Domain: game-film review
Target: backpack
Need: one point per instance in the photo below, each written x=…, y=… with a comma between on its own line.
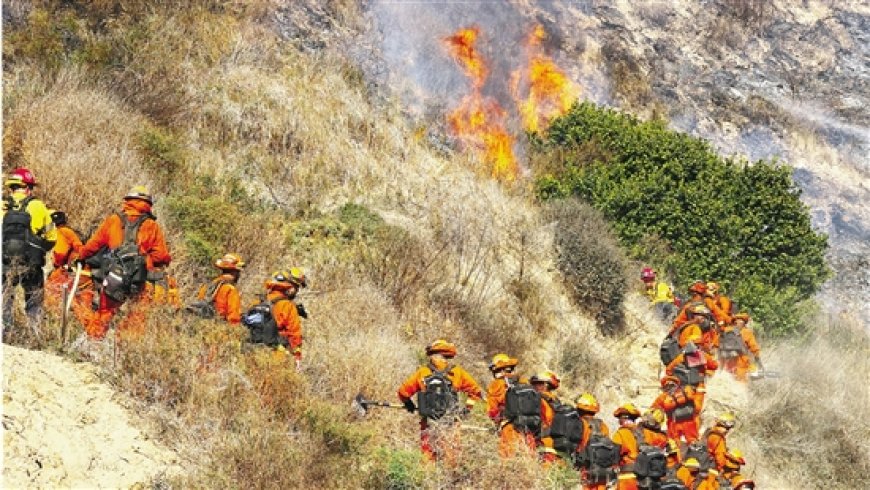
x=205, y=308
x=731, y=344
x=125, y=270
x=522, y=407
x=688, y=376
x=670, y=347
x=672, y=483
x=698, y=450
x=685, y=409
x=20, y=245
x=261, y=324
x=566, y=429
x=651, y=462
x=600, y=455
x=437, y=397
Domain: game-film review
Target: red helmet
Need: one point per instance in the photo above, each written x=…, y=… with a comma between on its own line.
x=21, y=176
x=647, y=274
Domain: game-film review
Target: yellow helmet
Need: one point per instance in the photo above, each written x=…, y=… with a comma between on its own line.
x=140, y=192
x=735, y=456
x=502, y=361
x=692, y=463
x=546, y=376
x=230, y=261
x=587, y=403
x=726, y=420
x=443, y=347
x=297, y=277
x=673, y=447
x=279, y=281
x=627, y=410
x=654, y=417
x=712, y=287
x=701, y=310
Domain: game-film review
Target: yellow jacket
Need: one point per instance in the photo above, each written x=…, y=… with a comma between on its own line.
x=40, y=219
x=660, y=292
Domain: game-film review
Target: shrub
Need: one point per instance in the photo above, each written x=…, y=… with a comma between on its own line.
x=589, y=257
x=724, y=219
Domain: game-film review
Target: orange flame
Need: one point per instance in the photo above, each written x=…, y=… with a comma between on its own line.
x=479, y=122
x=550, y=92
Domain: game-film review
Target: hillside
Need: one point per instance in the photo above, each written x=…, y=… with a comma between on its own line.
x=288, y=133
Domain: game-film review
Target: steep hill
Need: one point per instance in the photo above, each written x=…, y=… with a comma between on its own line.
x=284, y=133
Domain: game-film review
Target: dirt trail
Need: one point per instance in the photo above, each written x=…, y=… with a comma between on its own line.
x=63, y=428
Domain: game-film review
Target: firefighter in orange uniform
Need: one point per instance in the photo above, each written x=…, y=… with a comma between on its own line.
x=715, y=437
x=546, y=382
x=437, y=385
x=223, y=291
x=281, y=289
x=503, y=368
x=627, y=414
x=718, y=303
x=693, y=366
x=682, y=408
x=735, y=348
x=587, y=406
x=136, y=212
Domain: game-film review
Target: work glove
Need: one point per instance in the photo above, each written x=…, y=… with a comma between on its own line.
x=300, y=308
x=409, y=405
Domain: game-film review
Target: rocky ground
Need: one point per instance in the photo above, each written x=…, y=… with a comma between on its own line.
x=64, y=428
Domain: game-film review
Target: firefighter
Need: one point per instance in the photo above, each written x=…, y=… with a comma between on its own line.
x=503, y=369
x=437, y=385
x=28, y=235
x=736, y=343
x=682, y=408
x=627, y=414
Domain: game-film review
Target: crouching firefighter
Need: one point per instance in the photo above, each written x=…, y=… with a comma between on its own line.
x=514, y=406
x=437, y=386
x=126, y=251
x=275, y=321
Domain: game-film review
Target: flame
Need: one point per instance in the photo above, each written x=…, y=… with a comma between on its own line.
x=550, y=92
x=479, y=121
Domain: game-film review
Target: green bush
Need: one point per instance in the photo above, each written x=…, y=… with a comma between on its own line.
x=742, y=225
x=591, y=261
x=207, y=224
x=397, y=469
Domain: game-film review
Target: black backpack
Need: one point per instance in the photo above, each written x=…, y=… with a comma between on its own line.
x=261, y=324
x=20, y=245
x=522, y=407
x=566, y=429
x=670, y=347
x=731, y=344
x=698, y=450
x=671, y=482
x=124, y=270
x=651, y=462
x=688, y=376
x=205, y=308
x=437, y=397
x=600, y=455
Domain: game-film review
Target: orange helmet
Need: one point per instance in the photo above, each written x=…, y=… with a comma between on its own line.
x=279, y=281
x=21, y=177
x=140, y=192
x=442, y=347
x=744, y=483
x=587, y=403
x=627, y=410
x=502, y=361
x=698, y=287
x=230, y=262
x=670, y=379
x=742, y=316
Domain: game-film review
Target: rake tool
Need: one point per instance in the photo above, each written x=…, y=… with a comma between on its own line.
x=361, y=406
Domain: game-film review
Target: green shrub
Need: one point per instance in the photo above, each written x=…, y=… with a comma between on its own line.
x=722, y=219
x=207, y=224
x=397, y=469
x=593, y=265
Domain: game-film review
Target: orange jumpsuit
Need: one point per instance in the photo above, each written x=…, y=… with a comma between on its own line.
x=227, y=301
x=588, y=420
x=718, y=305
x=151, y=244
x=683, y=316
x=289, y=324
x=687, y=476
x=669, y=401
x=655, y=437
x=707, y=364
x=742, y=364
x=436, y=445
x=711, y=482
x=509, y=436
x=717, y=446
x=68, y=247
x=624, y=436
x=545, y=445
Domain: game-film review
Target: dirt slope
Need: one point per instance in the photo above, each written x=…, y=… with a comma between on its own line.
x=63, y=428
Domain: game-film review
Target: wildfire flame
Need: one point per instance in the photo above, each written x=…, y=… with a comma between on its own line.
x=541, y=91
x=479, y=121
x=550, y=92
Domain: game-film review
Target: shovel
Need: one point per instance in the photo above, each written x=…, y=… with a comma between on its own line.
x=361, y=406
